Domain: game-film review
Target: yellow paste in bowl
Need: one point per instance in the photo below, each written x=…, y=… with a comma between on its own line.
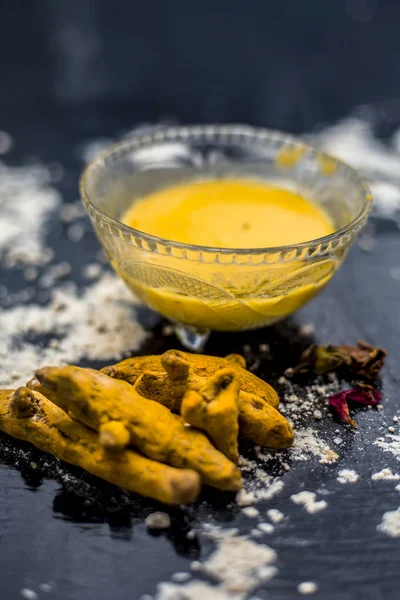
x=227, y=213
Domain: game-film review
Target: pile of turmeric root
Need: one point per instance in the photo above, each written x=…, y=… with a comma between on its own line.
x=159, y=426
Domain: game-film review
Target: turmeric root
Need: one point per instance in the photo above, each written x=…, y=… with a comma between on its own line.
x=35, y=385
x=27, y=415
x=96, y=399
x=198, y=364
x=263, y=424
x=215, y=410
x=167, y=378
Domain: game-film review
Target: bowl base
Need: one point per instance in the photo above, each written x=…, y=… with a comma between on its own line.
x=192, y=338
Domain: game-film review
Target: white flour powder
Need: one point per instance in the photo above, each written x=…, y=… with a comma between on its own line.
x=237, y=566
x=309, y=501
x=275, y=515
x=347, y=476
x=26, y=201
x=390, y=443
x=98, y=324
x=308, y=443
x=386, y=474
x=307, y=588
x=390, y=523
x=353, y=140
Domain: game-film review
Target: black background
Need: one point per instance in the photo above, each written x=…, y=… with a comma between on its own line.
x=71, y=71
x=277, y=63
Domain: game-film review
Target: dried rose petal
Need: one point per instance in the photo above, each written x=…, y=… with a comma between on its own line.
x=362, y=394
x=339, y=403
x=364, y=361
x=365, y=394
x=321, y=359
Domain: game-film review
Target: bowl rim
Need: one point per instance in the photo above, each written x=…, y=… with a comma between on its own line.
x=179, y=133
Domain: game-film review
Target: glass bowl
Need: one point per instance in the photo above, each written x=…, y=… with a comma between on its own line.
x=203, y=288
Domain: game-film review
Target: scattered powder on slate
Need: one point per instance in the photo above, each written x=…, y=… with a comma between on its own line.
x=309, y=402
x=195, y=566
x=353, y=140
x=158, y=520
x=75, y=232
x=390, y=523
x=386, y=474
x=261, y=485
x=21, y=226
x=53, y=273
x=29, y=594
x=269, y=492
x=309, y=501
x=391, y=443
x=266, y=527
x=308, y=443
x=246, y=464
x=6, y=142
x=73, y=319
x=240, y=564
x=195, y=590
x=71, y=211
x=237, y=566
x=92, y=271
x=251, y=512
x=307, y=329
x=180, y=577
x=307, y=588
x=93, y=147
x=256, y=533
x=275, y=515
x=76, y=322
x=347, y=476
x=244, y=498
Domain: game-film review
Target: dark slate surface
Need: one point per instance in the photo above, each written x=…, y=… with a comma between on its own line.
x=73, y=71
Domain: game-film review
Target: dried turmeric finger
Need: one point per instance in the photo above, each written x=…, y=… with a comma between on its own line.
x=35, y=385
x=259, y=421
x=114, y=435
x=215, y=410
x=262, y=423
x=199, y=365
x=27, y=415
x=131, y=369
x=95, y=399
x=237, y=359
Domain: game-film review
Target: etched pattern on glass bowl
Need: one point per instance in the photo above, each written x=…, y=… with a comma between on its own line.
x=203, y=288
